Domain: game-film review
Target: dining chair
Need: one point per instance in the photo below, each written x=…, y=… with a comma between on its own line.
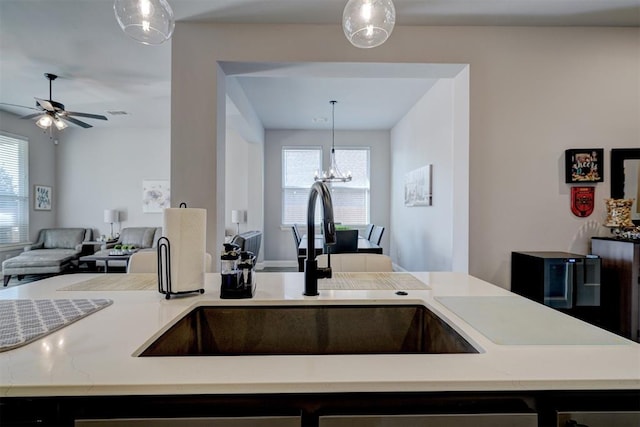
x=367, y=231
x=346, y=242
x=296, y=235
x=376, y=235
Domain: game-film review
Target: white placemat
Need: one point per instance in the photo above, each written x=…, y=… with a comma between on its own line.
x=372, y=281
x=117, y=282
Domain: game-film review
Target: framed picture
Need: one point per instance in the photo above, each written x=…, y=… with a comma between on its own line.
x=155, y=196
x=42, y=198
x=417, y=187
x=584, y=165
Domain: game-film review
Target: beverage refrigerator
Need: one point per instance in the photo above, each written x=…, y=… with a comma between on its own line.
x=564, y=281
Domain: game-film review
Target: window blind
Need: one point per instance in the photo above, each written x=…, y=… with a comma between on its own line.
x=14, y=189
x=351, y=199
x=298, y=167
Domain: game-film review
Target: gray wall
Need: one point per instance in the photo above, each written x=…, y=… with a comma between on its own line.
x=103, y=168
x=278, y=240
x=534, y=92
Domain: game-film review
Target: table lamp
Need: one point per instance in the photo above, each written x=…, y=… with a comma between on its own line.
x=237, y=217
x=111, y=216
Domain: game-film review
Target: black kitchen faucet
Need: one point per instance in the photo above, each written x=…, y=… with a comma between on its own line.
x=311, y=271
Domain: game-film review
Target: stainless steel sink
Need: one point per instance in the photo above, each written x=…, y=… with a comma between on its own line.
x=308, y=330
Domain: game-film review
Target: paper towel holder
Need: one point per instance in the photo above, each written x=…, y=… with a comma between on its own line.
x=164, y=270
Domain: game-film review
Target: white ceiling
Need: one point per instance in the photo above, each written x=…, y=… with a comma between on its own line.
x=102, y=70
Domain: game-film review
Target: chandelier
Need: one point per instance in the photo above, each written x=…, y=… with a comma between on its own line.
x=368, y=23
x=147, y=21
x=333, y=174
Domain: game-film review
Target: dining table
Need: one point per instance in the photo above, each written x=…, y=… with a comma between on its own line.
x=364, y=246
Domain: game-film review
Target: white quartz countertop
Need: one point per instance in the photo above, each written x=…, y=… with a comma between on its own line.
x=95, y=355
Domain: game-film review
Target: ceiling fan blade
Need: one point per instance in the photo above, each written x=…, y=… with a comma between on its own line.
x=20, y=106
x=87, y=115
x=76, y=121
x=31, y=116
x=45, y=104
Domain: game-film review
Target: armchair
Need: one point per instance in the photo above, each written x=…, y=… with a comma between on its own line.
x=249, y=241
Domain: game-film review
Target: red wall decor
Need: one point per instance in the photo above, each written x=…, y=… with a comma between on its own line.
x=582, y=200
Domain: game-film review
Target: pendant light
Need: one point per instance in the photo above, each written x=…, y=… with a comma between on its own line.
x=333, y=174
x=368, y=23
x=147, y=21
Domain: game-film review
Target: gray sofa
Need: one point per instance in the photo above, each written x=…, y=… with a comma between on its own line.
x=56, y=250
x=141, y=237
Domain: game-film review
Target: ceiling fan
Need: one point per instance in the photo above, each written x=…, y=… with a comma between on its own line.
x=51, y=112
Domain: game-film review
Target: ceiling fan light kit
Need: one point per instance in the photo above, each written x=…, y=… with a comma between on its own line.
x=368, y=23
x=147, y=21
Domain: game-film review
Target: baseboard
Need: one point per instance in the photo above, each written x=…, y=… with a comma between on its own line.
x=396, y=267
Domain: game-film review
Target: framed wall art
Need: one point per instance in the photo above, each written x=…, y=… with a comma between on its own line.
x=584, y=165
x=155, y=196
x=42, y=198
x=417, y=187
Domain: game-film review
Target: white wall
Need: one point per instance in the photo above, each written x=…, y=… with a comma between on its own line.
x=534, y=93
x=103, y=168
x=422, y=238
x=42, y=170
x=237, y=179
x=243, y=167
x=278, y=240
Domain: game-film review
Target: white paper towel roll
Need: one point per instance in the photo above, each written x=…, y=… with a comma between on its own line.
x=186, y=229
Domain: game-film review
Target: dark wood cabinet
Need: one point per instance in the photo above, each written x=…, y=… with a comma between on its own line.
x=620, y=284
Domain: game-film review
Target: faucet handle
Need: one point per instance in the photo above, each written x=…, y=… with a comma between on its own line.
x=329, y=232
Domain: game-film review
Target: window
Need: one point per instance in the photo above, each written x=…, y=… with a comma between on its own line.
x=14, y=189
x=298, y=167
x=350, y=199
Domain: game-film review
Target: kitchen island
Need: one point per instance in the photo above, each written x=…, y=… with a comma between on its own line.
x=530, y=359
